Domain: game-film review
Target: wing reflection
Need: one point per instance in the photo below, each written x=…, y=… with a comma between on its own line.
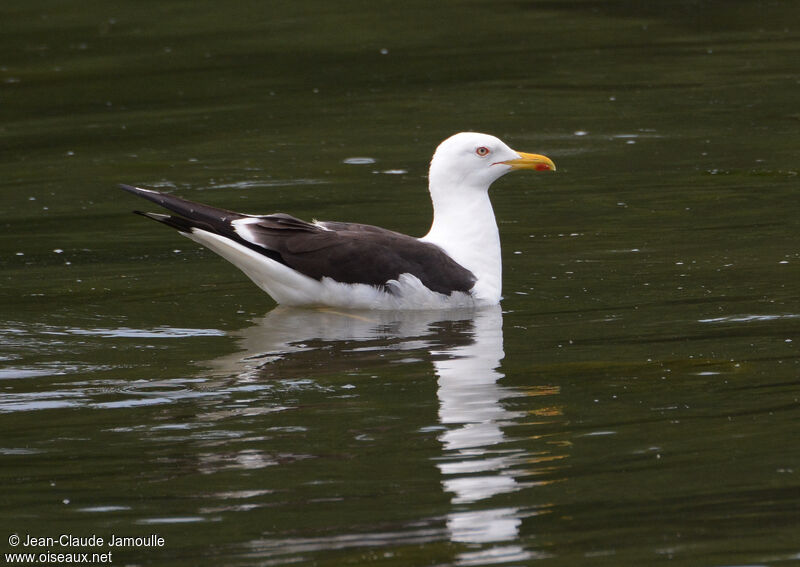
x=477, y=463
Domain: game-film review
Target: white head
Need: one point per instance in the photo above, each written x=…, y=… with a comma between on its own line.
x=475, y=161
x=462, y=169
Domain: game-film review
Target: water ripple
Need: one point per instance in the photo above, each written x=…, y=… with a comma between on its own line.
x=749, y=318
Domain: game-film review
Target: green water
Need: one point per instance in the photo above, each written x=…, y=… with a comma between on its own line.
x=634, y=401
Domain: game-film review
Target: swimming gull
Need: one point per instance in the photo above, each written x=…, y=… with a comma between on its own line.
x=350, y=265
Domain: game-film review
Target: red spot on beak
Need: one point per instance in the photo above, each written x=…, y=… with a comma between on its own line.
x=542, y=167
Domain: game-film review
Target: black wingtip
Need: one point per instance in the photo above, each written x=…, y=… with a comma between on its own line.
x=161, y=199
x=148, y=194
x=129, y=188
x=195, y=215
x=179, y=223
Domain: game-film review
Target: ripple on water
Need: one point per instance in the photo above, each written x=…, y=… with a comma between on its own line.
x=37, y=353
x=278, y=547
x=750, y=318
x=155, y=333
x=176, y=520
x=359, y=161
x=103, y=509
x=256, y=183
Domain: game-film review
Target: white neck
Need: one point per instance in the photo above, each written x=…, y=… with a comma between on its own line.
x=464, y=226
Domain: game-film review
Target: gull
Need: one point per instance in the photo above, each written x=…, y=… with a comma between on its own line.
x=358, y=266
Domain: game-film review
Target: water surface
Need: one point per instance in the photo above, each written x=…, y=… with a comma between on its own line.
x=633, y=401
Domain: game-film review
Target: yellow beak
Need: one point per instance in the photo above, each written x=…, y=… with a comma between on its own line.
x=531, y=161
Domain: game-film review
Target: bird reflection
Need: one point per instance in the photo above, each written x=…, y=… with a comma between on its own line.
x=465, y=348
x=286, y=331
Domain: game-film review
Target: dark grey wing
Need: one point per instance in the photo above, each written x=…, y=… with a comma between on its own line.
x=359, y=253
x=344, y=252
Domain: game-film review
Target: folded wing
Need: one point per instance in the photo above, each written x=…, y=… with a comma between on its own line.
x=345, y=252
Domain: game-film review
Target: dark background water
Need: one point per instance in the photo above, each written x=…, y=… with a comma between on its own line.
x=635, y=401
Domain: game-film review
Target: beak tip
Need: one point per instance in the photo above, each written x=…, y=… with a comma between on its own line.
x=533, y=162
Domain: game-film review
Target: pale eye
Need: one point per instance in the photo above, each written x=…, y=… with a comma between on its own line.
x=483, y=151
